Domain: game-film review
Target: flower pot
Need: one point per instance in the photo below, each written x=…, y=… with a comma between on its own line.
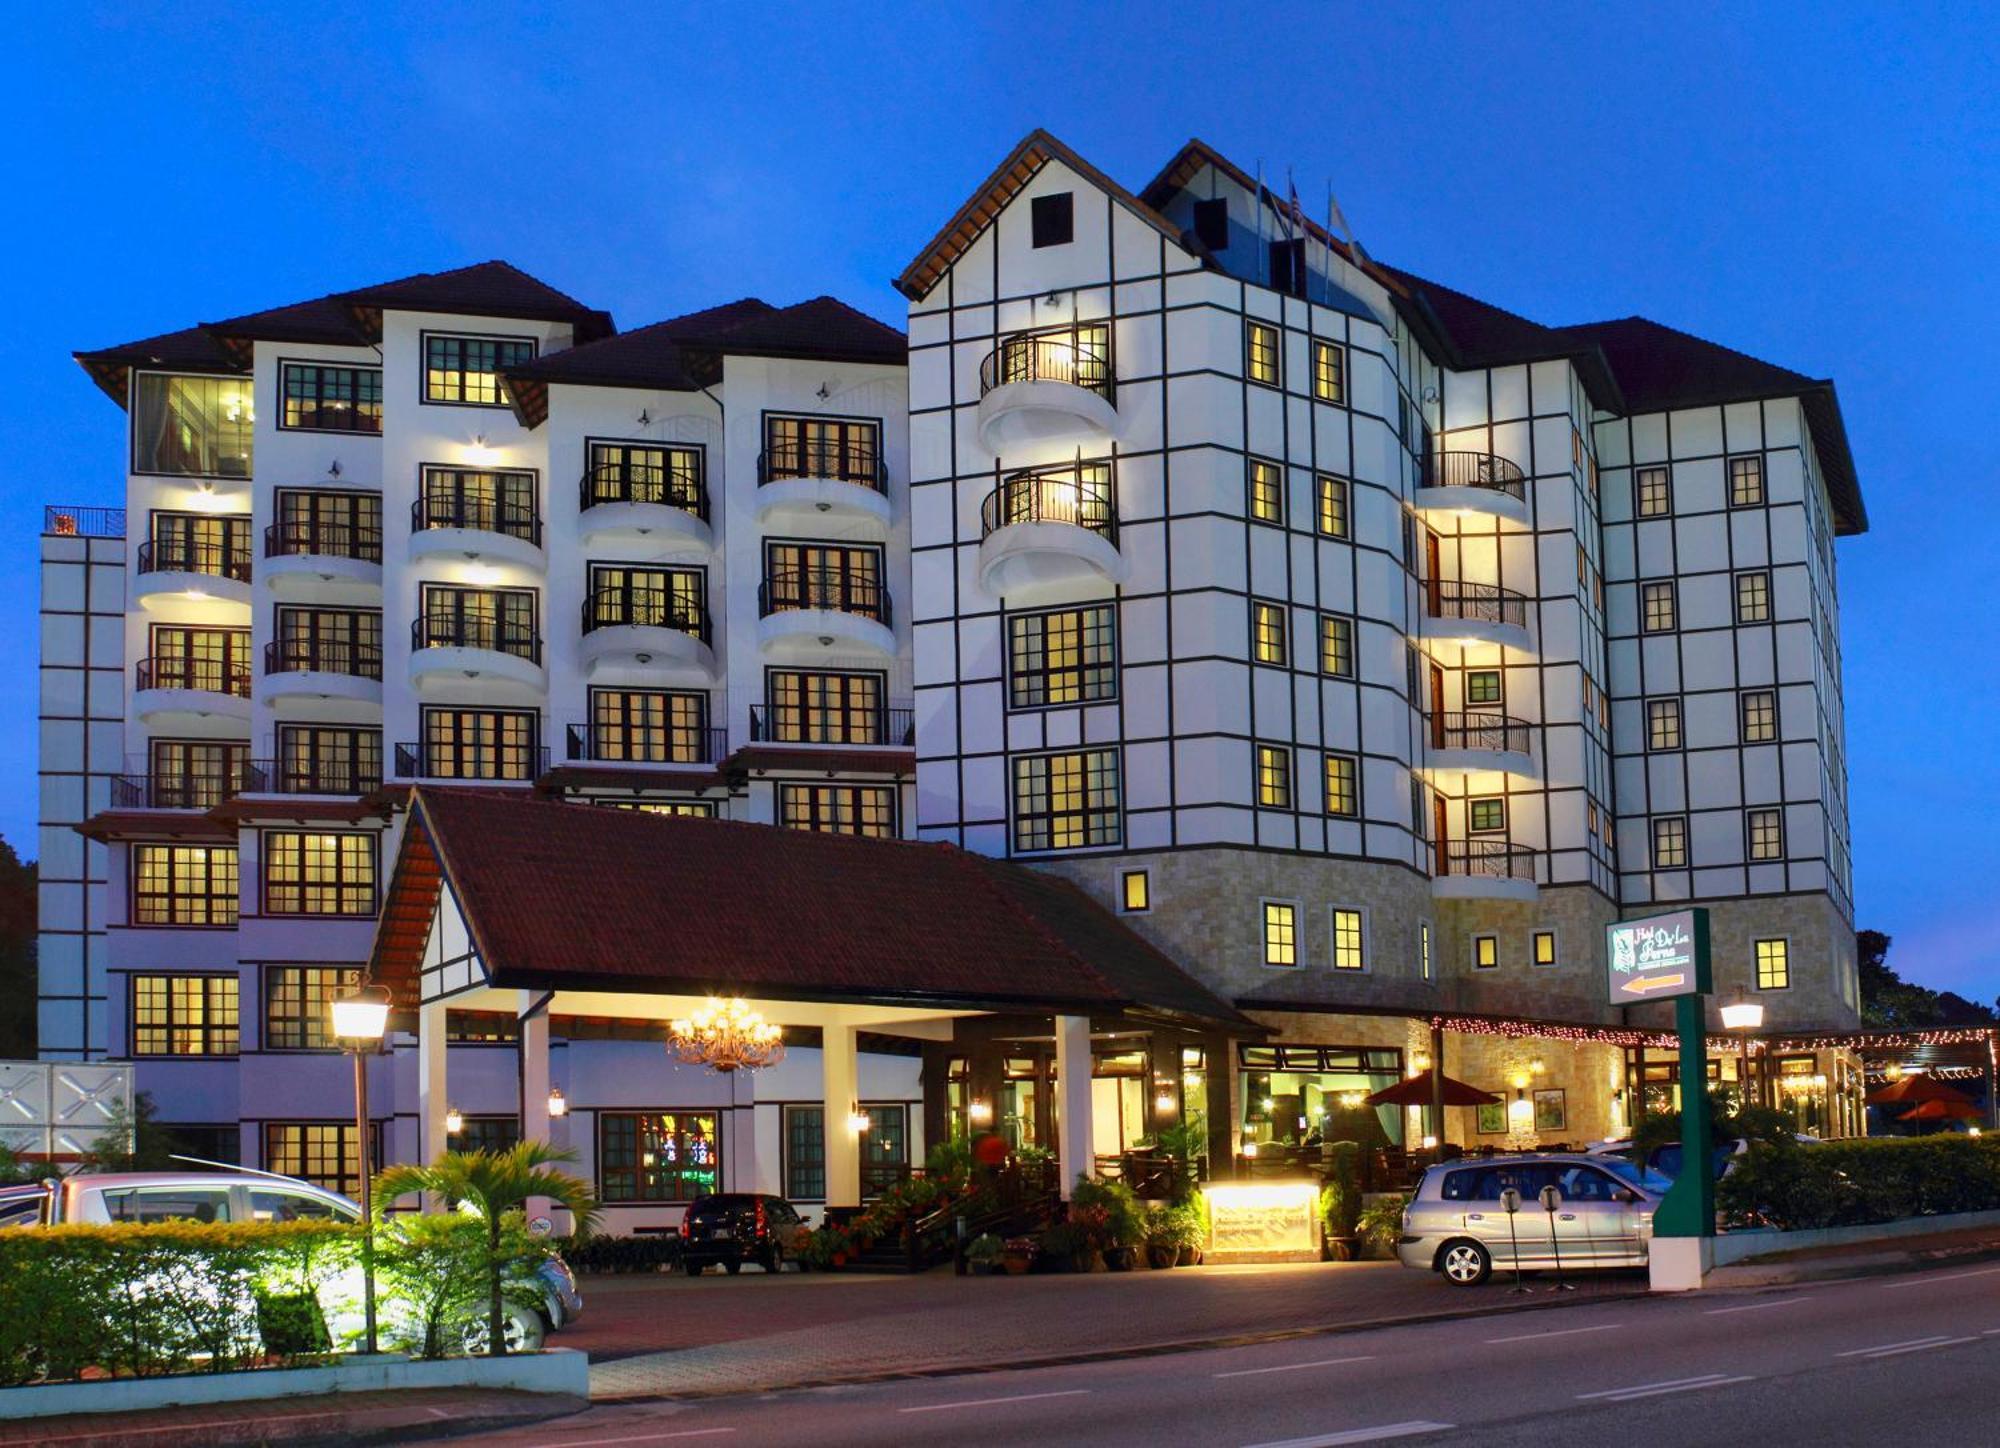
x=1340, y=1249
x=1190, y=1257
x=1121, y=1259
x=1015, y=1263
x=1162, y=1257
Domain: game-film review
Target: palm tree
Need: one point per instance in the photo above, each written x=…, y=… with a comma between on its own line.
x=494, y=1183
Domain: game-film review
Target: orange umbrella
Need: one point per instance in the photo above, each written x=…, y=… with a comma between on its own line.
x=1912, y=1089
x=1939, y=1109
x=1416, y=1091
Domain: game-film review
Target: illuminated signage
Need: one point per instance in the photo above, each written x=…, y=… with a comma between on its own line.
x=1658, y=958
x=1263, y=1221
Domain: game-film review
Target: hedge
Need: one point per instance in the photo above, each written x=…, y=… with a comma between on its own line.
x=1797, y=1187
x=134, y=1299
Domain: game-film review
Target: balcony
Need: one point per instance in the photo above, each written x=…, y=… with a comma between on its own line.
x=893, y=727
x=206, y=696
x=460, y=526
x=1473, y=741
x=645, y=629
x=1474, y=484
x=324, y=671
x=1475, y=613
x=173, y=570
x=497, y=658
x=1051, y=527
x=472, y=764
x=798, y=480
x=642, y=748
x=631, y=501
x=802, y=610
x=1483, y=870
x=1048, y=387
x=323, y=561
x=334, y=777
x=183, y=788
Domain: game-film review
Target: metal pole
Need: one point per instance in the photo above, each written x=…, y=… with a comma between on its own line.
x=1743, y=1072
x=367, y=1197
x=1437, y=1089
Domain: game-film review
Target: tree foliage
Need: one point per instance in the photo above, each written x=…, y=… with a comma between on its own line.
x=18, y=990
x=1888, y=1002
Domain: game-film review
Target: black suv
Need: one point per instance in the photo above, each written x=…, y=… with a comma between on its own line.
x=732, y=1228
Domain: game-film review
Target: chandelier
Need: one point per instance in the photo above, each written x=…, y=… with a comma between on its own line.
x=725, y=1035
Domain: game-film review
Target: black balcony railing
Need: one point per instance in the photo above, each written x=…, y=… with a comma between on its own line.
x=195, y=555
x=1080, y=356
x=323, y=656
x=644, y=483
x=632, y=744
x=325, y=776
x=622, y=607
x=1488, y=859
x=480, y=515
x=459, y=631
x=1053, y=496
x=1476, y=470
x=179, y=671
x=321, y=539
x=1475, y=603
x=892, y=727
x=835, y=589
x=1474, y=730
x=182, y=788
x=471, y=762
x=62, y=520
x=784, y=459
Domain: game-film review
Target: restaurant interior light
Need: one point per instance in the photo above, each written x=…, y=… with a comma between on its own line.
x=362, y=1016
x=979, y=1112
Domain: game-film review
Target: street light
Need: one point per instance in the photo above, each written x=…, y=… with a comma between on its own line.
x=359, y=1021
x=1743, y=1015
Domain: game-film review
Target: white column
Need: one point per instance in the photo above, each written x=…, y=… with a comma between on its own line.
x=1073, y=1123
x=533, y=1049
x=839, y=1087
x=432, y=1092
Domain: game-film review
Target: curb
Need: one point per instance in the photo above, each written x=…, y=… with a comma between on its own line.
x=329, y=1425
x=1776, y=1272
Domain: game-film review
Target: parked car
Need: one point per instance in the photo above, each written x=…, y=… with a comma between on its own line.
x=731, y=1228
x=1456, y=1224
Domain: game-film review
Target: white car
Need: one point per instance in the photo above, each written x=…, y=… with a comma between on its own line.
x=1457, y=1223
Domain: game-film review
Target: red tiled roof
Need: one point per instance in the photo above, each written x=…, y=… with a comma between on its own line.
x=564, y=896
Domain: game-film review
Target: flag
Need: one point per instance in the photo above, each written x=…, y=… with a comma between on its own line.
x=1297, y=222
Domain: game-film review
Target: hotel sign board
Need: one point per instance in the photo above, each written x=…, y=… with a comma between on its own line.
x=1658, y=957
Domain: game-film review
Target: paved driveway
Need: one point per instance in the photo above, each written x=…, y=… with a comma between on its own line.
x=656, y=1335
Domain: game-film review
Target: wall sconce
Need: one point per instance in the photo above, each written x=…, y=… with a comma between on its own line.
x=454, y=1121
x=1520, y=1109
x=1518, y=1080
x=557, y=1105
x=1164, y=1102
x=333, y=470
x=979, y=1113
x=477, y=451
x=859, y=1121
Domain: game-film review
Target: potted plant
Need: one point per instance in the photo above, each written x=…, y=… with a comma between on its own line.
x=1340, y=1199
x=983, y=1253
x=1111, y=1215
x=1017, y=1255
x=1380, y=1225
x=1065, y=1247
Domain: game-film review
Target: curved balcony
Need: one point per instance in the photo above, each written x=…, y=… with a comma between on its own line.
x=452, y=525
x=629, y=748
x=1049, y=527
x=1475, y=613
x=304, y=775
x=323, y=562
x=631, y=501
x=809, y=609
x=324, y=671
x=800, y=480
x=451, y=649
x=1474, y=483
x=187, y=787
x=1483, y=870
x=472, y=764
x=204, y=696
x=1045, y=387
x=647, y=629
x=172, y=570
x=1473, y=742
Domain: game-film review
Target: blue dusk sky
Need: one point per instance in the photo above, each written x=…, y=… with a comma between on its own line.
x=1817, y=185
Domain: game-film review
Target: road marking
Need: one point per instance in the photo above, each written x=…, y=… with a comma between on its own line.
x=1897, y=1349
x=641, y=1438
x=1671, y=1385
x=1948, y=1277
x=1889, y=1346
x=1752, y=1306
x=990, y=1402
x=1294, y=1367
x=1359, y=1435
x=1564, y=1332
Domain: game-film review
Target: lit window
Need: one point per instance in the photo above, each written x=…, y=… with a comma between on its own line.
x=1545, y=947
x=320, y=1152
x=466, y=370
x=1348, y=940
x=184, y=1015
x=1336, y=645
x=1068, y=656
x=320, y=398
x=1486, y=816
x=1424, y=949
x=1267, y=633
x=184, y=885
x=1760, y=716
x=838, y=809
x=1670, y=842
x=1066, y=801
x=1659, y=607
x=1663, y=723
x=1267, y=491
x=1746, y=482
x=1260, y=346
x=1766, y=832
x=1343, y=792
x=1653, y=498
x=1753, y=597
x=192, y=426
x=1332, y=494
x=654, y=726
x=298, y=1005
x=480, y=743
x=1774, y=970
x=1281, y=933
x=1482, y=687
x=657, y=1156
x=1136, y=891
x=1329, y=372
x=1485, y=952
x=1274, y=776
x=314, y=873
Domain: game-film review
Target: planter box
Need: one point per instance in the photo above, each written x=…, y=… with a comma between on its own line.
x=558, y=1370
x=1743, y=1246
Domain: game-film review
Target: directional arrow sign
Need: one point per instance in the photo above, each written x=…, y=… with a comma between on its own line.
x=1659, y=957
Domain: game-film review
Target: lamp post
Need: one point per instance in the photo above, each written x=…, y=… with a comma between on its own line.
x=1743, y=1016
x=359, y=1021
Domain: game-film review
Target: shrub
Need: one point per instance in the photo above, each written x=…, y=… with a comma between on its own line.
x=1109, y=1211
x=1796, y=1187
x=1179, y=1227
x=624, y=1254
x=1340, y=1197
x=1380, y=1224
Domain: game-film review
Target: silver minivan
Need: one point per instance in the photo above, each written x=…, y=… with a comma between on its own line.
x=1457, y=1222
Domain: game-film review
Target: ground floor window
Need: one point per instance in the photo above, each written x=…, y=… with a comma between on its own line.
x=222, y=1143
x=658, y=1156
x=320, y=1152
x=487, y=1133
x=885, y=1148
x=1302, y=1096
x=805, y=1153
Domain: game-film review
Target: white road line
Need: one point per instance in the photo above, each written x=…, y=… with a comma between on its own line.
x=1752, y=1306
x=1359, y=1435
x=1563, y=1332
x=1894, y=1346
x=990, y=1402
x=1948, y=1277
x=1655, y=1390
x=1898, y=1350
x=1294, y=1367
x=637, y=1438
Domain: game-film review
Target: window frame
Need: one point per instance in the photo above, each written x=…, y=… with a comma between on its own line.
x=1273, y=775
x=1253, y=329
x=1763, y=604
x=1331, y=625
x=1251, y=463
x=1328, y=758
x=345, y=1151
x=209, y=1032
x=359, y=369
x=1475, y=803
x=1334, y=946
x=1044, y=213
x=132, y=413
x=1654, y=828
x=1288, y=939
x=1673, y=609
x=502, y=400
x=308, y=1032
x=1640, y=484
x=605, y=1116
x=1535, y=939
x=1784, y=957
x=1145, y=880
x=1743, y=698
x=1323, y=349
x=1084, y=668
x=1485, y=938
x=135, y=896
x=1776, y=815
x=1327, y=488
x=342, y=887
x=1667, y=705
x=850, y=797
x=1497, y=702
x=1756, y=471
x=1263, y=610
x=1092, y=817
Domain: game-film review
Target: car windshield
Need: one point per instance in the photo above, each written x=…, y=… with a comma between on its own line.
x=1637, y=1175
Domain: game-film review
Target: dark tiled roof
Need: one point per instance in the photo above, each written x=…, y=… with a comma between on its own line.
x=329, y=320
x=823, y=329
x=569, y=896
x=487, y=288
x=189, y=350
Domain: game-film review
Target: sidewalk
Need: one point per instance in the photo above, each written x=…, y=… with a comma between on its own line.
x=1860, y=1259
x=386, y=1417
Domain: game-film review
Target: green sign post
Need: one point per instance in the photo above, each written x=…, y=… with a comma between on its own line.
x=1665, y=957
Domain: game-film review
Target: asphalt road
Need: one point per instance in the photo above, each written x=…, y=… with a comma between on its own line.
x=1910, y=1358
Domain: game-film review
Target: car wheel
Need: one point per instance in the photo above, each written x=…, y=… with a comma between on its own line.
x=1465, y=1264
x=520, y=1328
x=693, y=1269
x=774, y=1260
x=733, y=1267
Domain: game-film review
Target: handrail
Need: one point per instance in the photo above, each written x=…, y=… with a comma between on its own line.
x=1475, y=602
x=193, y=555
x=622, y=606
x=1477, y=470
x=840, y=590
x=643, y=483
x=1489, y=859
x=315, y=537
x=420, y=759
x=65, y=520
x=479, y=515
x=323, y=656
x=782, y=461
x=586, y=743
x=178, y=789
x=453, y=631
x=1472, y=729
x=278, y=776
x=1052, y=495
x=1071, y=354
x=179, y=671
x=885, y=728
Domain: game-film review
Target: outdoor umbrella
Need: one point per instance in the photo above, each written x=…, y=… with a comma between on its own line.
x=1939, y=1109
x=1416, y=1091
x=1913, y=1089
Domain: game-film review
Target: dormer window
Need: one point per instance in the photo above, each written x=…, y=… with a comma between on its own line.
x=1053, y=219
x=464, y=371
